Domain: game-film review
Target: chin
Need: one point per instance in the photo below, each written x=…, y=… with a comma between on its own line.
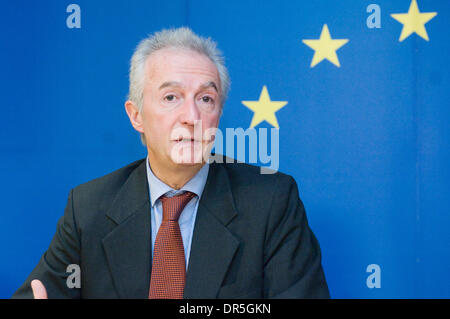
x=189, y=154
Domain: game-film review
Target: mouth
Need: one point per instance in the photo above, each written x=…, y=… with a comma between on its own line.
x=186, y=140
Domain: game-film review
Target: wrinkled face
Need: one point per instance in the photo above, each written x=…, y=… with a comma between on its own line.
x=181, y=106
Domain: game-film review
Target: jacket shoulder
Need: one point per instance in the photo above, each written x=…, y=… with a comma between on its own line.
x=100, y=191
x=248, y=174
x=118, y=176
x=250, y=183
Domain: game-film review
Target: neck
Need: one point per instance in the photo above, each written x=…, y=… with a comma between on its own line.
x=176, y=175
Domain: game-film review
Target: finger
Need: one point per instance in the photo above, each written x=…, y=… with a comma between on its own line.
x=38, y=288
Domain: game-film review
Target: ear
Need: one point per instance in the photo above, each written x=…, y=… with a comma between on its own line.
x=134, y=115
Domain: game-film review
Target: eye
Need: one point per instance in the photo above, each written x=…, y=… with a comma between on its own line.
x=207, y=99
x=170, y=98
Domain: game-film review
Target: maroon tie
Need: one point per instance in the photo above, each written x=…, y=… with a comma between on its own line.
x=169, y=267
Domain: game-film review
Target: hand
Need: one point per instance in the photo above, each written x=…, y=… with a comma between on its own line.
x=38, y=288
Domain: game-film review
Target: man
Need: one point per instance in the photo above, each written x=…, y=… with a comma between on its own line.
x=173, y=225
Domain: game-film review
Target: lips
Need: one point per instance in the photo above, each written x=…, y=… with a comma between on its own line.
x=186, y=139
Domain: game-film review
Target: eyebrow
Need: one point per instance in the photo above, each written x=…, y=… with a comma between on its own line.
x=210, y=84
x=170, y=83
x=178, y=84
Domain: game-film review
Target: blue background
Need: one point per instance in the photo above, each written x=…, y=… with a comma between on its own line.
x=368, y=143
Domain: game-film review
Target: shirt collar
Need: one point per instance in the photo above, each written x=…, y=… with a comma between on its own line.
x=158, y=188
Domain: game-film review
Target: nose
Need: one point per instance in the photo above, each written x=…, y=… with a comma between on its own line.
x=189, y=112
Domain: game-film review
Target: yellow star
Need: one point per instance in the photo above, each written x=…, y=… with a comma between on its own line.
x=264, y=109
x=413, y=21
x=325, y=47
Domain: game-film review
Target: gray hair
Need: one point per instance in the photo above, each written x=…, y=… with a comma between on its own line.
x=182, y=38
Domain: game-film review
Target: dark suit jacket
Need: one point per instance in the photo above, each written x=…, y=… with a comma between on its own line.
x=251, y=239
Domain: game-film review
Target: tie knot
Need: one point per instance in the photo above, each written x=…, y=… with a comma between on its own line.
x=173, y=206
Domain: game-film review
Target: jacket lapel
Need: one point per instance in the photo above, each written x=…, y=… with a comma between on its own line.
x=213, y=246
x=128, y=245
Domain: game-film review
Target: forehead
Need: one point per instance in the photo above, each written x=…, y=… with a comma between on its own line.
x=173, y=64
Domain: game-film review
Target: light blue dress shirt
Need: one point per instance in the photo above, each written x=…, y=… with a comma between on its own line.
x=157, y=188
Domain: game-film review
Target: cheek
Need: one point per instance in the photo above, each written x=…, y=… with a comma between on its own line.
x=209, y=125
x=211, y=120
x=154, y=124
x=158, y=127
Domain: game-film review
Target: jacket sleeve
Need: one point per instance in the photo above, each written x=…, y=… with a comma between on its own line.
x=63, y=251
x=292, y=258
